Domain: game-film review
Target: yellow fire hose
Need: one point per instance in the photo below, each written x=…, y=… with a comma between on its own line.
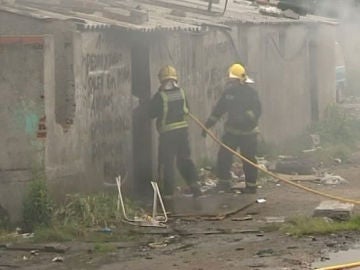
x=199, y=123
x=340, y=266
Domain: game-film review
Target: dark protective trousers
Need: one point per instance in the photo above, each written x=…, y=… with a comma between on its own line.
x=247, y=145
x=174, y=146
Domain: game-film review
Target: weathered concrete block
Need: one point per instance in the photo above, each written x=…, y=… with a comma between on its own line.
x=334, y=210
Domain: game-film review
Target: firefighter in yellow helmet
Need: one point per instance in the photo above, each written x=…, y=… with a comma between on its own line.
x=241, y=105
x=169, y=107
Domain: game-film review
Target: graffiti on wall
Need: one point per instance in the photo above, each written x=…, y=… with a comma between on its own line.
x=107, y=80
x=105, y=70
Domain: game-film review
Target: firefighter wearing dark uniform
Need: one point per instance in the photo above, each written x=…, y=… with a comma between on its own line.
x=169, y=107
x=242, y=105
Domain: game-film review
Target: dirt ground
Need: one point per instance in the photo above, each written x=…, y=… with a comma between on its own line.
x=236, y=242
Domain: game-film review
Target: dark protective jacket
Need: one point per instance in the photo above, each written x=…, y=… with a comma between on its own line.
x=170, y=108
x=243, y=108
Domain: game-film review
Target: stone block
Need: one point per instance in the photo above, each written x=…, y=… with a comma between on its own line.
x=334, y=209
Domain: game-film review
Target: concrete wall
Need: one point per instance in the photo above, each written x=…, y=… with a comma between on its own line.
x=350, y=43
x=201, y=61
x=86, y=107
x=22, y=116
x=88, y=82
x=13, y=24
x=278, y=58
x=292, y=64
x=97, y=146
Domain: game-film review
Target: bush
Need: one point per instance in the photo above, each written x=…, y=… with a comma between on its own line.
x=337, y=127
x=37, y=205
x=88, y=210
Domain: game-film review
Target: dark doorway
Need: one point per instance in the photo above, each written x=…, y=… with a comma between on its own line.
x=142, y=139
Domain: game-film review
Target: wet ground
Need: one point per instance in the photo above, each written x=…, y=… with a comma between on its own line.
x=239, y=237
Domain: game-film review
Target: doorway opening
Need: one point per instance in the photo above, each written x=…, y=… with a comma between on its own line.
x=142, y=132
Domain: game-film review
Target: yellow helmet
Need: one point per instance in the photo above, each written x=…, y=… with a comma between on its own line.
x=167, y=73
x=237, y=71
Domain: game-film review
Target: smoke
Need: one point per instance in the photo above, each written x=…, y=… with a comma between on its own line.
x=347, y=12
x=343, y=10
x=348, y=38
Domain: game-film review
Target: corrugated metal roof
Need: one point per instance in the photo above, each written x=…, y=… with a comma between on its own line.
x=147, y=15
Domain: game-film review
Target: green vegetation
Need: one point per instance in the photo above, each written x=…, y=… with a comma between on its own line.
x=339, y=135
x=81, y=217
x=88, y=210
x=301, y=226
x=104, y=247
x=57, y=233
x=37, y=205
x=337, y=127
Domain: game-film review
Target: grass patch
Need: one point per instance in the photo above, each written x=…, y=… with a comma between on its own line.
x=301, y=226
x=37, y=204
x=104, y=248
x=57, y=234
x=7, y=236
x=96, y=210
x=69, y=233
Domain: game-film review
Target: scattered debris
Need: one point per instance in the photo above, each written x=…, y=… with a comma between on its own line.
x=269, y=10
x=330, y=179
x=334, y=210
x=27, y=235
x=290, y=14
x=157, y=245
x=261, y=201
x=294, y=165
x=248, y=217
x=58, y=259
x=275, y=219
x=163, y=243
x=34, y=252
x=310, y=178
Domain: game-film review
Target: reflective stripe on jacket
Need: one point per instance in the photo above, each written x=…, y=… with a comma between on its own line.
x=174, y=110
